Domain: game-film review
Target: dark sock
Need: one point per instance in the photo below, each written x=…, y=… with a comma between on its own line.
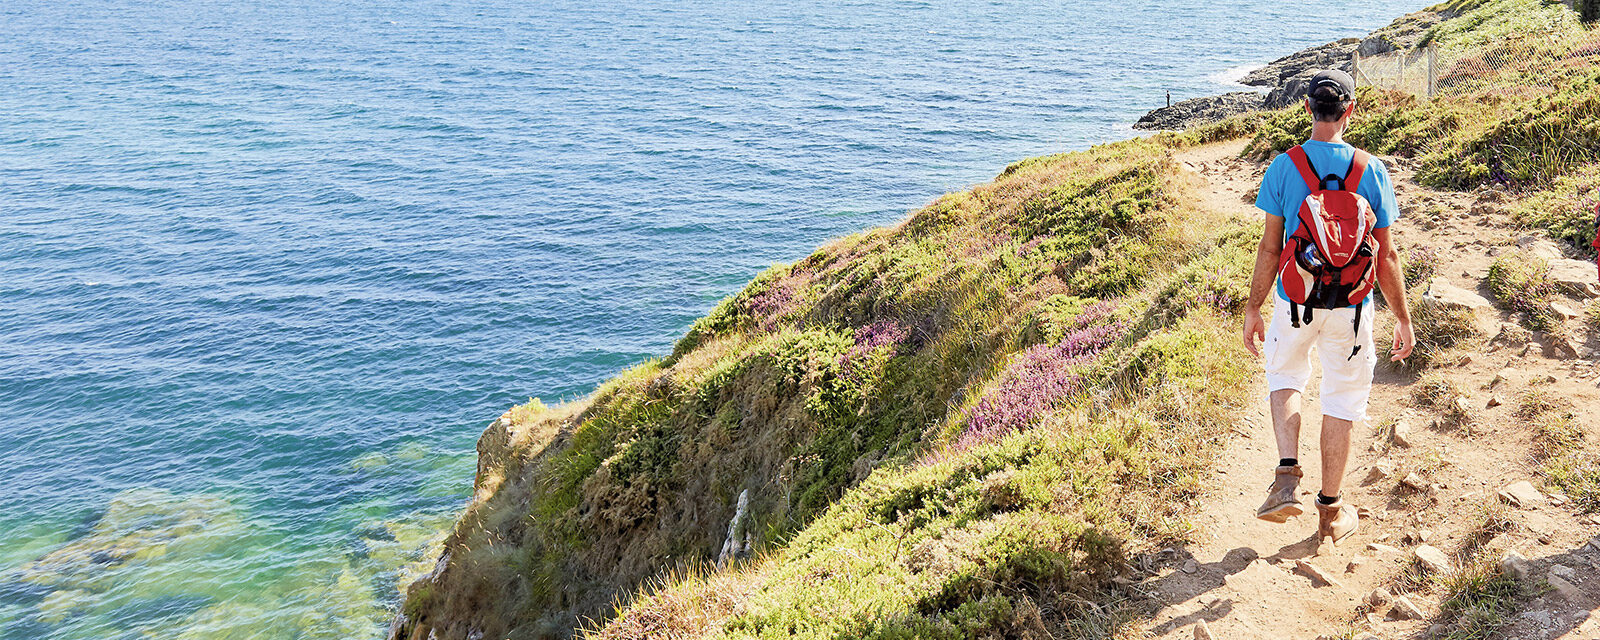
x=1322, y=499
x=1288, y=462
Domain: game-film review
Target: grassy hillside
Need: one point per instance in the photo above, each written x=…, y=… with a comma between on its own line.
x=965, y=425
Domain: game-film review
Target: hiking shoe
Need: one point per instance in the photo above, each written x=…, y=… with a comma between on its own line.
x=1281, y=502
x=1336, y=521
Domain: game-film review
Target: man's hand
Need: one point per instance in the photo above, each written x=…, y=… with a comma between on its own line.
x=1254, y=329
x=1404, y=341
x=1262, y=279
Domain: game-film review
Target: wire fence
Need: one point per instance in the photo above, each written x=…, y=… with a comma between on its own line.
x=1512, y=62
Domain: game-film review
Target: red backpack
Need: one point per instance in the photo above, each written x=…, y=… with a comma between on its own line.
x=1328, y=262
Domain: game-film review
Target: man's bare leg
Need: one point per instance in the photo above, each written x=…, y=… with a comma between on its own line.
x=1282, y=502
x=1286, y=422
x=1338, y=519
x=1335, y=454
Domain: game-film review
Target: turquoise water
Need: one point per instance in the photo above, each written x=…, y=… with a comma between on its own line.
x=268, y=268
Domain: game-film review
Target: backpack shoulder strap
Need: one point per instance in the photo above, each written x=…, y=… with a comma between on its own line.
x=1303, y=163
x=1358, y=170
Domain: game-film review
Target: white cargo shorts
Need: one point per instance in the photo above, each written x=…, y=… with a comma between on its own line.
x=1346, y=380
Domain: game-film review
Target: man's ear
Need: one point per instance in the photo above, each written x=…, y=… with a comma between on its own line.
x=1349, y=111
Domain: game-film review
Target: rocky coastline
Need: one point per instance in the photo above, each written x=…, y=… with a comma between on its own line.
x=1283, y=82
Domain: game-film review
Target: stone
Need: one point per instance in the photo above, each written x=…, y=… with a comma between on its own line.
x=1404, y=609
x=1190, y=566
x=1495, y=401
x=369, y=461
x=1400, y=436
x=60, y=605
x=1562, y=347
x=1514, y=566
x=1501, y=376
x=1379, y=597
x=1424, y=535
x=1202, y=631
x=1448, y=296
x=1382, y=548
x=737, y=544
x=1197, y=111
x=1463, y=406
x=139, y=525
x=1563, y=310
x=1432, y=559
x=1375, y=45
x=1574, y=277
x=1464, y=360
x=1562, y=571
x=1414, y=481
x=1317, y=574
x=1522, y=494
x=1355, y=563
x=1541, y=247
x=1380, y=471
x=1564, y=589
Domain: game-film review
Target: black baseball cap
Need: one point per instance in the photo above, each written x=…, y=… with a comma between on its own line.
x=1341, y=83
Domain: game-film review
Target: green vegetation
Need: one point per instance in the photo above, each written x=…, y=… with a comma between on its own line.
x=1521, y=281
x=1442, y=332
x=1478, y=601
x=1569, y=461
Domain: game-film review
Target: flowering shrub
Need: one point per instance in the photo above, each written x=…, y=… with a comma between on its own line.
x=1421, y=264
x=1522, y=282
x=1041, y=376
x=1215, y=292
x=772, y=304
x=882, y=333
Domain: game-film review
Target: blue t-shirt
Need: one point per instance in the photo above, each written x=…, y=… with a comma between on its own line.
x=1283, y=190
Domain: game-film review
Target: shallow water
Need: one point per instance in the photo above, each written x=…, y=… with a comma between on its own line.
x=266, y=269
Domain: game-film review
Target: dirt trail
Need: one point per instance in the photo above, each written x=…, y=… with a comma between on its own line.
x=1243, y=577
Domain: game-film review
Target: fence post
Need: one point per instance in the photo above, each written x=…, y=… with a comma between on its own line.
x=1355, y=65
x=1433, y=70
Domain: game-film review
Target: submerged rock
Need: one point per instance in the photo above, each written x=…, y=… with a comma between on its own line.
x=138, y=525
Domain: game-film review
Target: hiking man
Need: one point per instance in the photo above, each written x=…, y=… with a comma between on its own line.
x=1326, y=242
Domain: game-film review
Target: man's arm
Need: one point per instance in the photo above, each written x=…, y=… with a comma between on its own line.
x=1262, y=279
x=1392, y=281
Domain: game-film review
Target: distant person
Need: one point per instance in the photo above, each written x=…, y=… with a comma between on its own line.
x=1596, y=243
x=1326, y=242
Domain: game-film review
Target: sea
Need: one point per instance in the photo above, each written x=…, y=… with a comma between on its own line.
x=269, y=267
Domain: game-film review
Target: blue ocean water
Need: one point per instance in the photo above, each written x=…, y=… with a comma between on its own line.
x=267, y=268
